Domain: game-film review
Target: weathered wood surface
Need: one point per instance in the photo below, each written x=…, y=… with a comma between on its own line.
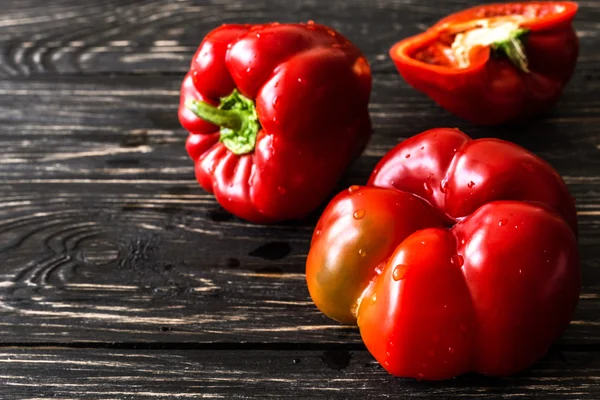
x=104, y=230
x=107, y=241
x=159, y=36
x=264, y=374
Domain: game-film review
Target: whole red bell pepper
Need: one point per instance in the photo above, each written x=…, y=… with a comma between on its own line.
x=493, y=63
x=459, y=255
x=275, y=113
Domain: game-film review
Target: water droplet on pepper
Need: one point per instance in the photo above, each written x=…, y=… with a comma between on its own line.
x=358, y=214
x=427, y=188
x=399, y=272
x=457, y=260
x=444, y=186
x=528, y=167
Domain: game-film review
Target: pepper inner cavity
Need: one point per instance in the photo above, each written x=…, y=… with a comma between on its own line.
x=484, y=33
x=453, y=48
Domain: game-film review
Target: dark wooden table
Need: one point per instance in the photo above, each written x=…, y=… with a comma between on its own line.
x=120, y=278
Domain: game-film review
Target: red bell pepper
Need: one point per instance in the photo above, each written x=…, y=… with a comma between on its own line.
x=275, y=113
x=493, y=63
x=459, y=255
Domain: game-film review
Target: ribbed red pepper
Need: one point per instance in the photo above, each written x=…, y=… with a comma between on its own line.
x=276, y=113
x=460, y=255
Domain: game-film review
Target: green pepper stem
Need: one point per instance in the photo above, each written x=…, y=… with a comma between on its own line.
x=514, y=48
x=225, y=118
x=236, y=115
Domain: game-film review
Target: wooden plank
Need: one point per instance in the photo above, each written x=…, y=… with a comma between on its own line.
x=105, y=236
x=127, y=127
x=27, y=373
x=88, y=268
x=141, y=37
x=106, y=241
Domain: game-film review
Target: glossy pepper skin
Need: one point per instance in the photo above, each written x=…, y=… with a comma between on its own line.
x=518, y=75
x=459, y=255
x=291, y=104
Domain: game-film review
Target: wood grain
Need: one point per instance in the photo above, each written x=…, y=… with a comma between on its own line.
x=127, y=127
x=107, y=238
x=262, y=374
x=157, y=262
x=110, y=251
x=150, y=37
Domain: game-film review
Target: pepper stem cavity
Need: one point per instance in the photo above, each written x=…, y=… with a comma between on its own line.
x=236, y=115
x=504, y=36
x=513, y=48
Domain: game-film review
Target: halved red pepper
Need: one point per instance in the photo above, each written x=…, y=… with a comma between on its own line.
x=459, y=255
x=493, y=63
x=276, y=112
